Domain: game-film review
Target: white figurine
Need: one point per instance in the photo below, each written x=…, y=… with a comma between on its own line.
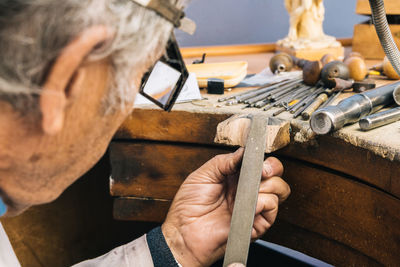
x=305, y=31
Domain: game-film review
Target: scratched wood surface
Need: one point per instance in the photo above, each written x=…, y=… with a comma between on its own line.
x=327, y=151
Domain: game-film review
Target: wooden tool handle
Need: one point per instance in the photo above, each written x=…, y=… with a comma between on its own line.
x=314, y=106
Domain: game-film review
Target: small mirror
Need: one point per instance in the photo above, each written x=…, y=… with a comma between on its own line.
x=161, y=82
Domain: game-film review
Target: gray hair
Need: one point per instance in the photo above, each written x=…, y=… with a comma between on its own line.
x=33, y=32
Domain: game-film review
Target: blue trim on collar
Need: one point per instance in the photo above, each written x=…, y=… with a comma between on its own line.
x=3, y=207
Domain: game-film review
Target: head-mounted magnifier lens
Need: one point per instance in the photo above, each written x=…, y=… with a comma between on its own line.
x=165, y=80
x=163, y=83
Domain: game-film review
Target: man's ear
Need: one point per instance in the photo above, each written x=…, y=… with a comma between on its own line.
x=54, y=96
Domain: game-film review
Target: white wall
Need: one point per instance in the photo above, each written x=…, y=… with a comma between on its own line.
x=222, y=22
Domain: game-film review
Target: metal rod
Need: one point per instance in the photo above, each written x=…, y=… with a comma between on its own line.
x=301, y=100
x=298, y=95
x=306, y=101
x=305, y=106
x=288, y=90
x=278, y=112
x=379, y=119
x=263, y=95
x=352, y=109
x=255, y=93
x=261, y=103
x=250, y=91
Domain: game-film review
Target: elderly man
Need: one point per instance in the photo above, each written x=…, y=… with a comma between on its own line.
x=69, y=73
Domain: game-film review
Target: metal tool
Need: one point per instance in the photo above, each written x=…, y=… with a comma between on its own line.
x=330, y=100
x=248, y=92
x=350, y=110
x=283, y=88
x=334, y=69
x=396, y=95
x=305, y=100
x=358, y=87
x=306, y=104
x=237, y=248
x=281, y=62
x=379, y=119
x=306, y=114
x=243, y=97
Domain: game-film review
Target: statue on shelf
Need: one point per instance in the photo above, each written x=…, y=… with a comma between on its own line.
x=306, y=31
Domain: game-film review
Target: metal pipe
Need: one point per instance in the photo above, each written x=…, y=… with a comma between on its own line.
x=379, y=119
x=351, y=109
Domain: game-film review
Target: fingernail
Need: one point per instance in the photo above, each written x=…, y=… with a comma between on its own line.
x=236, y=265
x=268, y=168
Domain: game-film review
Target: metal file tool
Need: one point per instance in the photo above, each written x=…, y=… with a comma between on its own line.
x=265, y=135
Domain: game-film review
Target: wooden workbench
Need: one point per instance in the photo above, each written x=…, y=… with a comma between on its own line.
x=345, y=201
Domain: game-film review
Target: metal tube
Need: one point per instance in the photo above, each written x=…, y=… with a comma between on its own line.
x=351, y=109
x=379, y=119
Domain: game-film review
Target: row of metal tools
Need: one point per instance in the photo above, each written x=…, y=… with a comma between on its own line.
x=289, y=95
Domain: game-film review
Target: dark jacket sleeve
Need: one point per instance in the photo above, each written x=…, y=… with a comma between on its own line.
x=160, y=252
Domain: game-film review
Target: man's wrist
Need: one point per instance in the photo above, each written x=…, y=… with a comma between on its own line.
x=177, y=245
x=159, y=249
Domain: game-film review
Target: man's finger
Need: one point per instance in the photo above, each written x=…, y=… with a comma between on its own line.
x=272, y=167
x=260, y=226
x=275, y=185
x=267, y=202
x=217, y=168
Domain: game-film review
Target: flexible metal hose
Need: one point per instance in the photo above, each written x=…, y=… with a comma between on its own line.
x=384, y=34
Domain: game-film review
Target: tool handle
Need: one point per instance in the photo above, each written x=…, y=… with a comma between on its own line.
x=314, y=106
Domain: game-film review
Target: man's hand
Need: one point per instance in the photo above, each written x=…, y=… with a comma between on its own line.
x=198, y=222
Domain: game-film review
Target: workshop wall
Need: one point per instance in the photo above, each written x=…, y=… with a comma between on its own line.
x=222, y=22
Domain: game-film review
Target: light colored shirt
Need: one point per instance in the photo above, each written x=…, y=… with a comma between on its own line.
x=133, y=254
x=7, y=255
